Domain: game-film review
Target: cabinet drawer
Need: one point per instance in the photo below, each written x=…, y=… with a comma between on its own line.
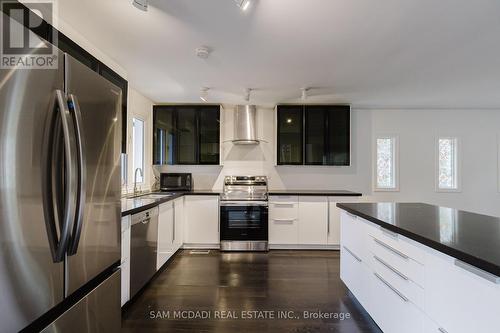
x=283, y=231
x=354, y=274
x=458, y=298
x=395, y=277
x=396, y=258
x=397, y=242
x=284, y=199
x=352, y=235
x=393, y=312
x=284, y=210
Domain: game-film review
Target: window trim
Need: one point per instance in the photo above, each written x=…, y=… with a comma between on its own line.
x=375, y=186
x=458, y=171
x=138, y=117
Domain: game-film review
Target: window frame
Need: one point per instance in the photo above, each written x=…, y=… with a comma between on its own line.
x=143, y=148
x=395, y=157
x=458, y=168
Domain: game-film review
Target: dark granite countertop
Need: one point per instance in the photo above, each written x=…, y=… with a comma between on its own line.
x=469, y=237
x=333, y=193
x=138, y=204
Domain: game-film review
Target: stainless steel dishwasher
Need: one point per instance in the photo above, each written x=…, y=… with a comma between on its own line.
x=143, y=248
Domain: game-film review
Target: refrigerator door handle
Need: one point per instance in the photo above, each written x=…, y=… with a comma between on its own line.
x=59, y=244
x=74, y=107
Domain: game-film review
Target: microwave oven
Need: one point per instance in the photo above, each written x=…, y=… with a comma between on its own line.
x=176, y=182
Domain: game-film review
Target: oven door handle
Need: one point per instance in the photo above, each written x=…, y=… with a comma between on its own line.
x=243, y=203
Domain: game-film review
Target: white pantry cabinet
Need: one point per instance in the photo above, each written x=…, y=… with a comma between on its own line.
x=201, y=221
x=125, y=260
x=165, y=233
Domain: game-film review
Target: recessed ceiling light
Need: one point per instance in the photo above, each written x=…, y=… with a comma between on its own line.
x=288, y=120
x=243, y=4
x=141, y=4
x=203, y=52
x=204, y=94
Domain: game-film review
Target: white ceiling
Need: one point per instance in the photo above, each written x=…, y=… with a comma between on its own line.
x=370, y=53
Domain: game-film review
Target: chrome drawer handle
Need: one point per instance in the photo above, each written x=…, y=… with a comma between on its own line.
x=397, y=292
x=287, y=204
x=477, y=271
x=352, y=254
x=284, y=220
x=390, y=248
x=401, y=275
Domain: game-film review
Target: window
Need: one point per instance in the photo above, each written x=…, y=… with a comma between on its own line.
x=447, y=164
x=138, y=148
x=386, y=164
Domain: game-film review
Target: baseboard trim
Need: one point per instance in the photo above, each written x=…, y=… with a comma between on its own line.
x=195, y=246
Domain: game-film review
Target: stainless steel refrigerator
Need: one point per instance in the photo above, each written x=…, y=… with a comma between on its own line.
x=60, y=144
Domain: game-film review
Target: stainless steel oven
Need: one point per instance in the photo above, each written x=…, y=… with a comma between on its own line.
x=244, y=214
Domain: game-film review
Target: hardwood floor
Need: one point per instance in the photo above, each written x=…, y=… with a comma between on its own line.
x=277, y=281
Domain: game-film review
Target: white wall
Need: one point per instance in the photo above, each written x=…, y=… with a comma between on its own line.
x=417, y=131
x=139, y=107
x=74, y=35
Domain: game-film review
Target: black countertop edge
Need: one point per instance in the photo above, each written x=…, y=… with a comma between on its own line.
x=329, y=193
x=457, y=254
x=159, y=201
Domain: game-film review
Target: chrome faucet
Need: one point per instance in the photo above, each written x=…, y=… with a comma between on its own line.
x=135, y=179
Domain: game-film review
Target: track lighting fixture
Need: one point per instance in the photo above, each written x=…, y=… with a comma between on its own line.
x=243, y=4
x=204, y=94
x=141, y=4
x=247, y=94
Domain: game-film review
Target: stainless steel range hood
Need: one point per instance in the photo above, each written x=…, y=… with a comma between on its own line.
x=245, y=125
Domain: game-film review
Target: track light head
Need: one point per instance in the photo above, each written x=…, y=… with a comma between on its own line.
x=141, y=4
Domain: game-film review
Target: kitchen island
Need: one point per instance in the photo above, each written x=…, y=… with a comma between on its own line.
x=435, y=269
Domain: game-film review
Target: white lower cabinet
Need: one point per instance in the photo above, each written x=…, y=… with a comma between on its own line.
x=283, y=220
x=458, y=297
x=408, y=287
x=125, y=260
x=165, y=233
x=178, y=223
x=300, y=221
x=201, y=220
x=334, y=218
x=313, y=220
